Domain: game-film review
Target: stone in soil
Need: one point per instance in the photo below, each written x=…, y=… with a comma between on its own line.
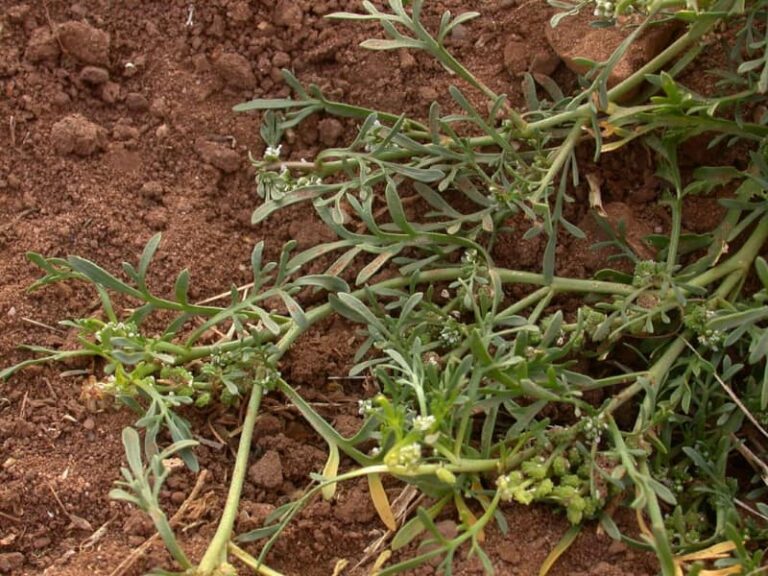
x=575, y=38
x=85, y=43
x=42, y=46
x=288, y=13
x=519, y=58
x=355, y=506
x=11, y=561
x=235, y=70
x=218, y=155
x=136, y=102
x=94, y=75
x=330, y=131
x=77, y=135
x=17, y=14
x=268, y=471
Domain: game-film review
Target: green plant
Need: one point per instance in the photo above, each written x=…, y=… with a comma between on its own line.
x=465, y=373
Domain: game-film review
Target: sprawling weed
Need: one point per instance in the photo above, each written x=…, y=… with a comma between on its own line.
x=467, y=376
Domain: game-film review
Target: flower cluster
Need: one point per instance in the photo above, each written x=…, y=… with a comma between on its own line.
x=553, y=480
x=423, y=423
x=116, y=330
x=697, y=319
x=605, y=9
x=592, y=322
x=649, y=273
x=407, y=456
x=452, y=333
x=593, y=427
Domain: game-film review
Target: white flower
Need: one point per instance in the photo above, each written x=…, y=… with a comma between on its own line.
x=272, y=153
x=407, y=456
x=423, y=423
x=364, y=407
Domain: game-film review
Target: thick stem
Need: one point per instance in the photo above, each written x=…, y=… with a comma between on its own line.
x=654, y=376
x=216, y=553
x=741, y=261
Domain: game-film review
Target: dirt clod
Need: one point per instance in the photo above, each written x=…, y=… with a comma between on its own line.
x=576, y=38
x=219, y=156
x=94, y=75
x=330, y=130
x=136, y=102
x=42, y=46
x=235, y=70
x=75, y=134
x=84, y=42
x=268, y=471
x=288, y=14
x=17, y=14
x=11, y=561
x=354, y=506
x=110, y=92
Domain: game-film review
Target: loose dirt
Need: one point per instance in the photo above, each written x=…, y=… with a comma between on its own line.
x=116, y=123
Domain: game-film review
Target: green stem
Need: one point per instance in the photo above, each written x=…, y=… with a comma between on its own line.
x=674, y=235
x=741, y=261
x=560, y=157
x=216, y=553
x=654, y=376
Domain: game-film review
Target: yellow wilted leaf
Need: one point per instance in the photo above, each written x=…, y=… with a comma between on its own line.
x=714, y=552
x=466, y=515
x=380, y=561
x=381, y=502
x=331, y=470
x=559, y=550
x=735, y=569
x=340, y=566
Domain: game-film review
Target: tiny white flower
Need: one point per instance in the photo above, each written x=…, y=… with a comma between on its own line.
x=272, y=152
x=423, y=423
x=364, y=407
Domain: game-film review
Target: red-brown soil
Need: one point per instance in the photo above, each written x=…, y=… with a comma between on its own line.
x=116, y=123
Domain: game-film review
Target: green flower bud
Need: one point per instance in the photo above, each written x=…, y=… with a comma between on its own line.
x=590, y=507
x=543, y=489
x=515, y=477
x=574, y=516
x=523, y=496
x=578, y=503
x=446, y=476
x=574, y=456
x=564, y=493
x=535, y=469
x=561, y=466
x=203, y=400
x=571, y=480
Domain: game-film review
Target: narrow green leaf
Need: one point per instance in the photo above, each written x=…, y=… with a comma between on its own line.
x=351, y=307
x=148, y=254
x=98, y=275
x=132, y=445
x=181, y=287
x=385, y=44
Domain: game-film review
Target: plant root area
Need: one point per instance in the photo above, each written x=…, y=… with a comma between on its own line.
x=116, y=124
